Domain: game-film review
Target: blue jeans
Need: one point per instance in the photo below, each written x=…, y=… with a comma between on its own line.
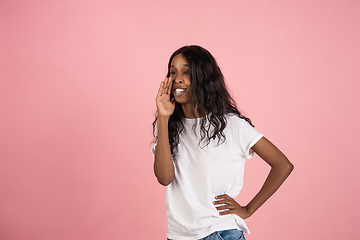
x=232, y=234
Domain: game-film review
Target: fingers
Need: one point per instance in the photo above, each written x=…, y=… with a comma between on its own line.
x=165, y=87
x=226, y=209
x=223, y=196
x=228, y=205
x=225, y=205
x=226, y=212
x=161, y=89
x=224, y=199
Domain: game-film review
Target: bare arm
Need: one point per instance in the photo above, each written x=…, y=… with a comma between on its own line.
x=281, y=167
x=163, y=165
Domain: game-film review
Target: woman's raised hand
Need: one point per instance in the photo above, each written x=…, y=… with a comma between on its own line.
x=165, y=105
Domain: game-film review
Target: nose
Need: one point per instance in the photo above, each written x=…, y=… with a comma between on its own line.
x=179, y=78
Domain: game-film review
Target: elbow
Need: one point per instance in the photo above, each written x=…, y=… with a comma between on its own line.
x=292, y=167
x=289, y=167
x=165, y=181
x=284, y=168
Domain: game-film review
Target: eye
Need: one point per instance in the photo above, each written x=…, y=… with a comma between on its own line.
x=186, y=72
x=172, y=72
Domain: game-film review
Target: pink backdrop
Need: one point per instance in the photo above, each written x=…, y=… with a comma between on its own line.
x=78, y=81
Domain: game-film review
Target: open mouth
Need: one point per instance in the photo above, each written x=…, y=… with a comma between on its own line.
x=179, y=91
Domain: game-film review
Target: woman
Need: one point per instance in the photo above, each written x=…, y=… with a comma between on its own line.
x=202, y=142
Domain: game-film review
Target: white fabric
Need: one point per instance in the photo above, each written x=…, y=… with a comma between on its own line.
x=203, y=173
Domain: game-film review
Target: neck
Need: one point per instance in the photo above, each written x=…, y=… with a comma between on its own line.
x=187, y=112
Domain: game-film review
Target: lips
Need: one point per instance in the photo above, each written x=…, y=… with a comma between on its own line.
x=178, y=91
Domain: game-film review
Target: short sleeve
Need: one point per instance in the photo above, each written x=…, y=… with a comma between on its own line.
x=249, y=136
x=154, y=146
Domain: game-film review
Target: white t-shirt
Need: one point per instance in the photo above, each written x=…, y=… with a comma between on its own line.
x=201, y=174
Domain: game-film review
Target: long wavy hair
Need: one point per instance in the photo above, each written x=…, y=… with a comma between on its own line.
x=208, y=94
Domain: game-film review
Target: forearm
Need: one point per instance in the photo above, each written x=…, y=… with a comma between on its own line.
x=276, y=177
x=163, y=165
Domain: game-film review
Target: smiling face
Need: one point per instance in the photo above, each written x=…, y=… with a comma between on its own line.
x=180, y=75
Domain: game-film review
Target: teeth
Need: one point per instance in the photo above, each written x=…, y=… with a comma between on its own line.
x=179, y=90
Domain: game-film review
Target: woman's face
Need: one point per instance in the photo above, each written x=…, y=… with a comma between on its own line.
x=180, y=75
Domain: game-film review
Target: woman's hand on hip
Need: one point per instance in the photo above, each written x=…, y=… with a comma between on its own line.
x=229, y=206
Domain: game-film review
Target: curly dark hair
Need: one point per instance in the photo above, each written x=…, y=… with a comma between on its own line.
x=208, y=93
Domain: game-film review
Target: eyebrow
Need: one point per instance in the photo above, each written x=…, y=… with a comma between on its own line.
x=186, y=65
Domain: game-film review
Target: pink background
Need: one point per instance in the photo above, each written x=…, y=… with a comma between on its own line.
x=78, y=81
